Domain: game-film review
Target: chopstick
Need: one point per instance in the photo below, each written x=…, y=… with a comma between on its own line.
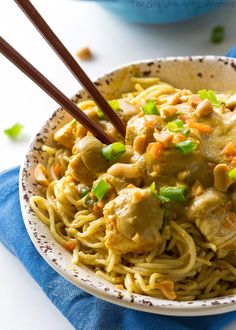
x=8, y=51
x=70, y=62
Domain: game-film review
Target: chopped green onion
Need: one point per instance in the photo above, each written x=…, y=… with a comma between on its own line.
x=114, y=104
x=150, y=108
x=13, y=131
x=210, y=95
x=84, y=191
x=217, y=34
x=175, y=126
x=100, y=114
x=174, y=194
x=186, y=147
x=100, y=189
x=232, y=174
x=88, y=202
x=113, y=151
x=155, y=193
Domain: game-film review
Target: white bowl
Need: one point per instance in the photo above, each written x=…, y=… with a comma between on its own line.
x=210, y=72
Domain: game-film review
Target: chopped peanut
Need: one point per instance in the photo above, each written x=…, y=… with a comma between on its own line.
x=139, y=144
x=196, y=189
x=164, y=138
x=204, y=108
x=194, y=100
x=174, y=99
x=119, y=286
x=84, y=54
x=169, y=111
x=233, y=162
x=231, y=102
x=41, y=175
x=221, y=179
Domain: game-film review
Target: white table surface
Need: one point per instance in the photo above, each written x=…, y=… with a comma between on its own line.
x=22, y=303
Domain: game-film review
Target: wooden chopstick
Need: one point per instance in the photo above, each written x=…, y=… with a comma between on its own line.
x=17, y=59
x=70, y=62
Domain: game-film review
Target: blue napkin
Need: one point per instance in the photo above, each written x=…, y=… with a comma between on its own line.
x=84, y=311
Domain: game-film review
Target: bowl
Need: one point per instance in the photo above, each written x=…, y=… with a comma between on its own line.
x=159, y=12
x=211, y=72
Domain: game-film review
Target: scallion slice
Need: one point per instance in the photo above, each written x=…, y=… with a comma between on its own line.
x=113, y=151
x=150, y=108
x=175, y=125
x=114, y=105
x=174, y=194
x=155, y=193
x=217, y=34
x=14, y=131
x=186, y=147
x=100, y=114
x=101, y=188
x=232, y=174
x=210, y=95
x=84, y=191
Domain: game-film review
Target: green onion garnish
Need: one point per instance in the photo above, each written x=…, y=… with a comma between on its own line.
x=174, y=194
x=210, y=95
x=150, y=108
x=100, y=189
x=114, y=104
x=84, y=191
x=175, y=125
x=232, y=174
x=155, y=193
x=186, y=147
x=100, y=114
x=217, y=34
x=13, y=131
x=113, y=151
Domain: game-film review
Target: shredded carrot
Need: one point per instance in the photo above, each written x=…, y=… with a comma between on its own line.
x=184, y=118
x=70, y=245
x=167, y=288
x=101, y=204
x=155, y=148
x=229, y=149
x=202, y=128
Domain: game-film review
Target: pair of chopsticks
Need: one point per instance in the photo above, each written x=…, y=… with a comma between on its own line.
x=8, y=51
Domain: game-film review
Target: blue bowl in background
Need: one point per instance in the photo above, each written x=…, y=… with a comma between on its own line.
x=159, y=11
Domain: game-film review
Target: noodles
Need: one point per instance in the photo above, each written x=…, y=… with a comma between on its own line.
x=148, y=220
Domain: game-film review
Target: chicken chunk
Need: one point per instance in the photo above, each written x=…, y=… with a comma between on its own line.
x=170, y=163
x=224, y=131
x=133, y=220
x=213, y=216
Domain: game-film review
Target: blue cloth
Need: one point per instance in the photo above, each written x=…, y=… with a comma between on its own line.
x=232, y=52
x=84, y=311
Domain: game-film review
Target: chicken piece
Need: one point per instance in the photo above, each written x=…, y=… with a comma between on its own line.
x=90, y=151
x=171, y=162
x=144, y=126
x=213, y=216
x=224, y=131
x=133, y=220
x=79, y=171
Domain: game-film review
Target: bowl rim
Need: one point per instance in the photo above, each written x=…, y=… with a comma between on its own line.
x=162, y=306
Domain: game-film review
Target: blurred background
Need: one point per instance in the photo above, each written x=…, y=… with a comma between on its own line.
x=115, y=32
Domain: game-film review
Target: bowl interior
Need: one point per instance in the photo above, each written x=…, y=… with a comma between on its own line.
x=218, y=73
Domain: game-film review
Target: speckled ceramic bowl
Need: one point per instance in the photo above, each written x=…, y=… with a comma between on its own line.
x=195, y=73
